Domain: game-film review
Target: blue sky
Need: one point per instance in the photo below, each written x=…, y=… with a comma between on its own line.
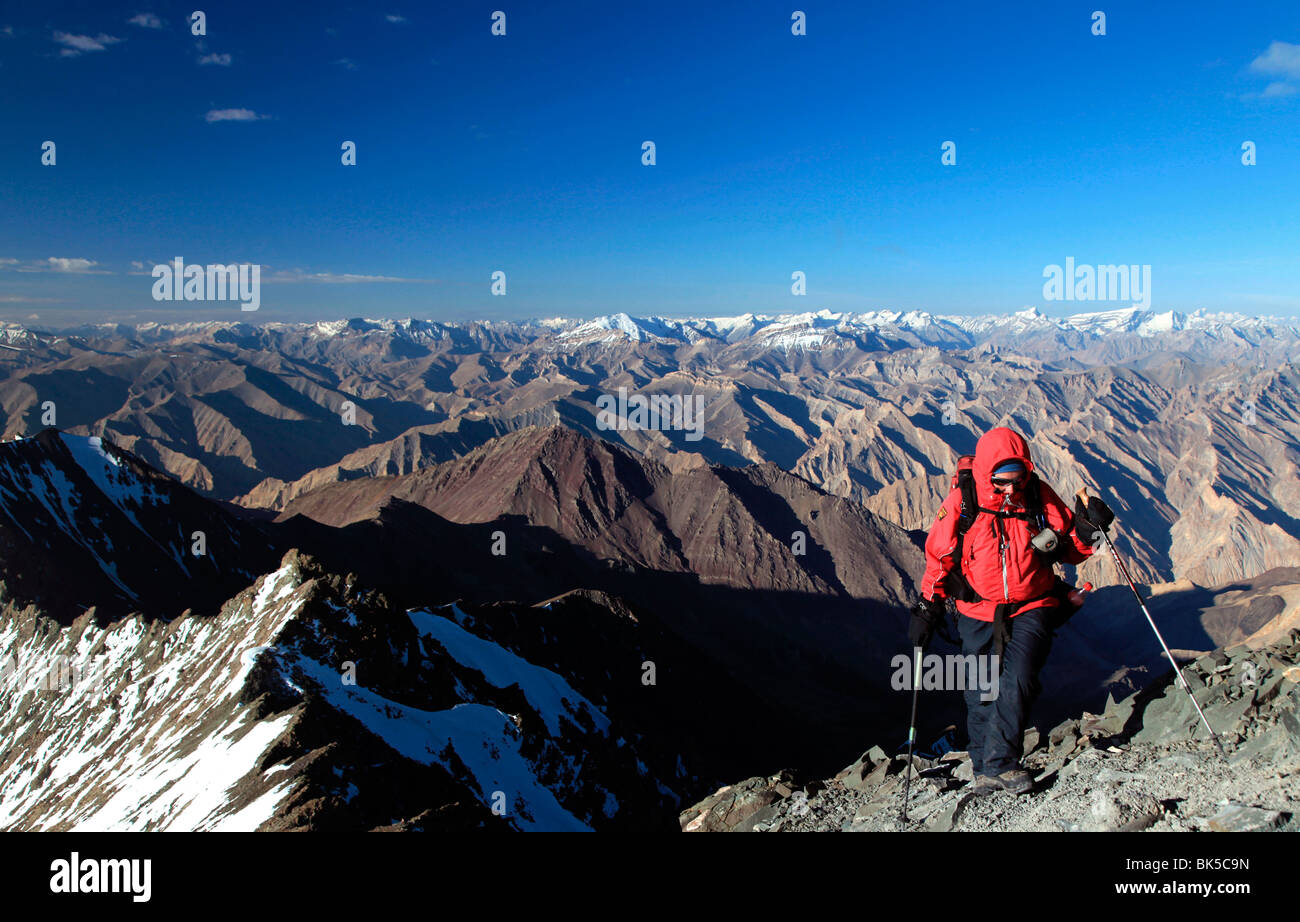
x=522, y=153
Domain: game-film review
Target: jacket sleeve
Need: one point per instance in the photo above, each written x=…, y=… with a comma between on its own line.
x=939, y=547
x=1061, y=519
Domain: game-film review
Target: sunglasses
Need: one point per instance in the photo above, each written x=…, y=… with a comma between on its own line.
x=1007, y=481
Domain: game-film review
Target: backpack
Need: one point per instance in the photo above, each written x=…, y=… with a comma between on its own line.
x=963, y=478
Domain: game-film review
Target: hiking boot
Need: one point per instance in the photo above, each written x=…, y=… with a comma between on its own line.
x=1015, y=781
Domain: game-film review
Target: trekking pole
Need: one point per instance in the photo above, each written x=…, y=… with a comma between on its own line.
x=911, y=733
x=1123, y=571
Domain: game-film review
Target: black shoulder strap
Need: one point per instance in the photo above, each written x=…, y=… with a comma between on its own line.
x=958, y=587
x=1034, y=495
x=1034, y=500
x=970, y=506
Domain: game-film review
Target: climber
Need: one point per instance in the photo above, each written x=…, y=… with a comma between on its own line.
x=992, y=550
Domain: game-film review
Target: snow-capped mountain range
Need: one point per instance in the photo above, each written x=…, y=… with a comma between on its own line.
x=819, y=328
x=807, y=330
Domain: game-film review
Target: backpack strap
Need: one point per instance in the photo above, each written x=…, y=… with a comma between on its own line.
x=970, y=506
x=1034, y=501
x=957, y=586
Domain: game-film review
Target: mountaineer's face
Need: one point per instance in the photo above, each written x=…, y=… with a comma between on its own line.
x=1007, y=483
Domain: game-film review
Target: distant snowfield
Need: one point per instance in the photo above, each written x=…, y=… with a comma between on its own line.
x=123, y=490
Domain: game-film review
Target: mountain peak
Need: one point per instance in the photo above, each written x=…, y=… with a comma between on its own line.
x=89, y=500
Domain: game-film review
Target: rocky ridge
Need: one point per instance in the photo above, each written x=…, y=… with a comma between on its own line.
x=307, y=702
x=1144, y=763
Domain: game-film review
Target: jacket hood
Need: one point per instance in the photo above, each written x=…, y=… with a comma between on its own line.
x=993, y=448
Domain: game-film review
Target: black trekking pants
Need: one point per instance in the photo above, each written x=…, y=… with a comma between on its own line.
x=996, y=728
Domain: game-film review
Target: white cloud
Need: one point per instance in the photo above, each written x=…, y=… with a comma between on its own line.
x=221, y=60
x=233, y=115
x=77, y=44
x=75, y=265
x=1281, y=58
x=7, y=30
x=146, y=266
x=146, y=21
x=332, y=278
x=1276, y=90
x=70, y=264
x=348, y=63
x=393, y=17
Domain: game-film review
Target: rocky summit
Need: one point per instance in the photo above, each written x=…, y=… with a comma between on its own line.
x=1145, y=763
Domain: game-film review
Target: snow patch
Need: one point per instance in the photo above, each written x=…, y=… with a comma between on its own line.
x=548, y=692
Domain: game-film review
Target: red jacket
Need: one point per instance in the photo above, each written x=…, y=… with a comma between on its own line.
x=997, y=558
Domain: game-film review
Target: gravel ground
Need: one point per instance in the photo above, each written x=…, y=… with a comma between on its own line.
x=1174, y=787
x=1145, y=763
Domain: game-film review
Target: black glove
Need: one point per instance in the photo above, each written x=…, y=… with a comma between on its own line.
x=927, y=617
x=1063, y=610
x=1089, y=520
